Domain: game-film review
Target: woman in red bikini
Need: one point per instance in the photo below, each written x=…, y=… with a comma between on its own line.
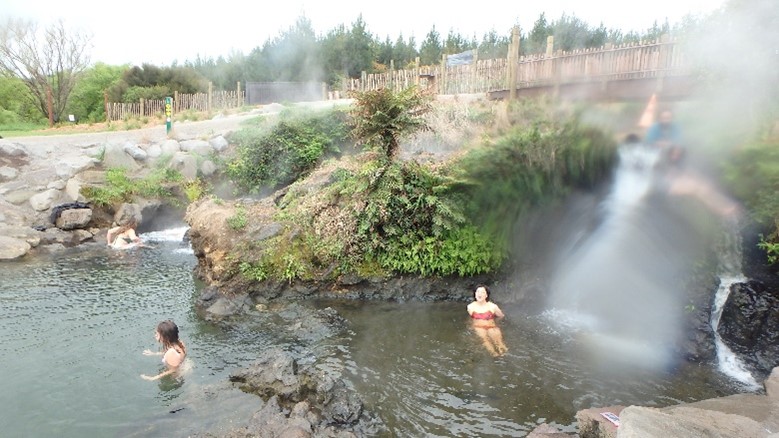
x=483, y=314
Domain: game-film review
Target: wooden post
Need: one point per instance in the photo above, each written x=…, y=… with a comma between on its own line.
x=324, y=90
x=176, y=106
x=105, y=105
x=391, y=84
x=475, y=72
x=50, y=105
x=442, y=83
x=549, y=45
x=417, y=71
x=238, y=100
x=210, y=96
x=363, y=80
x=513, y=57
x=141, y=107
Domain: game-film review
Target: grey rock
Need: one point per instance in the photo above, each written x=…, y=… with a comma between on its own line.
x=42, y=201
x=11, y=149
x=73, y=189
x=29, y=235
x=135, y=151
x=12, y=248
x=75, y=218
x=219, y=143
x=750, y=324
x=13, y=215
x=154, y=150
x=270, y=230
x=66, y=238
x=8, y=173
x=593, y=425
x=92, y=176
x=198, y=147
x=128, y=212
x=57, y=185
x=19, y=195
x=170, y=147
x=69, y=166
x=772, y=384
x=116, y=157
x=208, y=168
x=643, y=422
x=186, y=164
x=274, y=373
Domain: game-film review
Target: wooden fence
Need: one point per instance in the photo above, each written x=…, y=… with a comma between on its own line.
x=631, y=61
x=201, y=102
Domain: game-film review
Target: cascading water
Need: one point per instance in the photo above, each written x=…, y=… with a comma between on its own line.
x=619, y=290
x=730, y=269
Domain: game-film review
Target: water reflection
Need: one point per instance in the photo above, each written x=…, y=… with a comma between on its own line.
x=74, y=326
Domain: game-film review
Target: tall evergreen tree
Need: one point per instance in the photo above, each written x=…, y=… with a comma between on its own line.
x=431, y=49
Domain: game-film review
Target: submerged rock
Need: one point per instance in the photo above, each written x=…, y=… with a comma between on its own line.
x=299, y=401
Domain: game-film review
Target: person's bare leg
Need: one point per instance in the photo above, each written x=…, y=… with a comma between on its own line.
x=497, y=338
x=482, y=332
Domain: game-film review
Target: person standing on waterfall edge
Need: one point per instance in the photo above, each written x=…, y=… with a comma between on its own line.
x=483, y=314
x=173, y=350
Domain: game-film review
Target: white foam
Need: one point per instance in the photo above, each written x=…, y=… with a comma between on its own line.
x=169, y=235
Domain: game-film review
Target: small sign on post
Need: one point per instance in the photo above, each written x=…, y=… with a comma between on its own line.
x=168, y=113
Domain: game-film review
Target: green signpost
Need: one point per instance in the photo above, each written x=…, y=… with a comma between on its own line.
x=168, y=113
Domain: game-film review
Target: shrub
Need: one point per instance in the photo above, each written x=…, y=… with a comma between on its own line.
x=120, y=188
x=288, y=151
x=239, y=220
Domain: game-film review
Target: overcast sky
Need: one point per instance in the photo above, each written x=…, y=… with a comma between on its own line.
x=161, y=32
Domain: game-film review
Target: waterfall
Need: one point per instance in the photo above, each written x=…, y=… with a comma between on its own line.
x=730, y=272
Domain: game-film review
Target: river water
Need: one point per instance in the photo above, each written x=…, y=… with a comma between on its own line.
x=73, y=327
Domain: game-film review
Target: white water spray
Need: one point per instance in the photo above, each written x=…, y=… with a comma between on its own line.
x=730, y=273
x=169, y=235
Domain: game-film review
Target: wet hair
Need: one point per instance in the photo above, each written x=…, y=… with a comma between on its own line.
x=486, y=289
x=132, y=223
x=169, y=336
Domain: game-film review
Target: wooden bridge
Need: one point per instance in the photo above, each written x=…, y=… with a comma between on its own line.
x=627, y=72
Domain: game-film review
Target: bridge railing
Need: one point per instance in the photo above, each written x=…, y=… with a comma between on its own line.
x=630, y=61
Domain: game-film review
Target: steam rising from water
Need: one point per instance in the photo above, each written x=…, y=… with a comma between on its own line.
x=619, y=289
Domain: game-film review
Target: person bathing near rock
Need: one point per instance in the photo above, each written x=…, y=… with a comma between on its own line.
x=483, y=314
x=123, y=236
x=173, y=350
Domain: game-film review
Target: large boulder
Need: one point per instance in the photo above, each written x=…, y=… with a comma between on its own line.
x=135, y=151
x=197, y=147
x=750, y=324
x=42, y=201
x=8, y=173
x=186, y=164
x=218, y=143
x=742, y=415
x=208, y=168
x=274, y=373
x=69, y=166
x=12, y=248
x=74, y=218
x=170, y=147
x=154, y=150
x=12, y=154
x=11, y=214
x=116, y=157
x=128, y=212
x=29, y=235
x=592, y=424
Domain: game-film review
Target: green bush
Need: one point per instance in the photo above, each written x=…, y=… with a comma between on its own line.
x=291, y=149
x=120, y=188
x=752, y=174
x=527, y=166
x=238, y=221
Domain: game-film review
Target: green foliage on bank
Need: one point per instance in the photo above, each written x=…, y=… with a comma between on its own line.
x=530, y=164
x=119, y=187
x=378, y=217
x=269, y=158
x=753, y=175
